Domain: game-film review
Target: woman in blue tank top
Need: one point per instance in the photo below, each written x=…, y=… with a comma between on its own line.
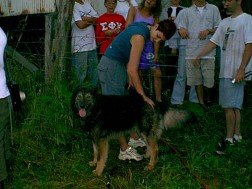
x=119, y=65
x=148, y=11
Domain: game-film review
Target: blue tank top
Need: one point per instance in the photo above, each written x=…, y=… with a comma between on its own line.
x=120, y=47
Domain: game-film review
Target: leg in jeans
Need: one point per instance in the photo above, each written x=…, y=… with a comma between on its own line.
x=178, y=92
x=84, y=66
x=79, y=66
x=158, y=84
x=193, y=95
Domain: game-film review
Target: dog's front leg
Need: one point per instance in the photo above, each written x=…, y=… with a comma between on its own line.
x=153, y=152
x=95, y=150
x=103, y=155
x=147, y=153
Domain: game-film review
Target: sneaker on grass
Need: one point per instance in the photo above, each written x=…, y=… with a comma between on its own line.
x=130, y=153
x=237, y=138
x=136, y=143
x=222, y=146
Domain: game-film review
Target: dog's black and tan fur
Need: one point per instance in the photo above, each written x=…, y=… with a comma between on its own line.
x=109, y=116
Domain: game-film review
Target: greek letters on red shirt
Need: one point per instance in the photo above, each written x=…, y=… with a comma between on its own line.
x=104, y=23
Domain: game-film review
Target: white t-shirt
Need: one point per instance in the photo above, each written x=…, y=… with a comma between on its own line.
x=123, y=6
x=232, y=35
x=173, y=14
x=4, y=91
x=83, y=39
x=165, y=4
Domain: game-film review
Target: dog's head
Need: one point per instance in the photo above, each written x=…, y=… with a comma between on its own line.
x=83, y=101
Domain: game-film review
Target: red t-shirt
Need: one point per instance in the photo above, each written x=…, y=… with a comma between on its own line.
x=107, y=22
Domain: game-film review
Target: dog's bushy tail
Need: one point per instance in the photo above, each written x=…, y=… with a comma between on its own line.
x=175, y=117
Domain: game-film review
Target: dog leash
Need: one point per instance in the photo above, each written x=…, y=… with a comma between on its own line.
x=183, y=161
x=247, y=74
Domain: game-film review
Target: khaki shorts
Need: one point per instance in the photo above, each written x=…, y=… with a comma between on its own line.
x=200, y=74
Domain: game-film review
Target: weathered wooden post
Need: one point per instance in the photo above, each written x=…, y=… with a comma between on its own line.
x=57, y=28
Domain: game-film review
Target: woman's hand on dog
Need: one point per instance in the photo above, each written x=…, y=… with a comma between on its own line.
x=148, y=101
x=145, y=98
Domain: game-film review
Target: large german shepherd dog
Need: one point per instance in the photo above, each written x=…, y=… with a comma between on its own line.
x=105, y=117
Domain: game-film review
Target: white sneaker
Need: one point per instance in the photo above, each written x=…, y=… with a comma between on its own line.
x=237, y=138
x=130, y=153
x=136, y=143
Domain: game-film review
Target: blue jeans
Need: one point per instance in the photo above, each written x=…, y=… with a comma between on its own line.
x=231, y=95
x=178, y=92
x=84, y=65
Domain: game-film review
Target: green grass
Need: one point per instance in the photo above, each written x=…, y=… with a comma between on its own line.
x=51, y=151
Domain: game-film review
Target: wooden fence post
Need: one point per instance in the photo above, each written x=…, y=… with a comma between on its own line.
x=56, y=40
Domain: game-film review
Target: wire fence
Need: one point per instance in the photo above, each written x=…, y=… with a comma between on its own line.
x=26, y=35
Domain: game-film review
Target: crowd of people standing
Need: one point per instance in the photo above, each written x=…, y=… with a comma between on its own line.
x=196, y=26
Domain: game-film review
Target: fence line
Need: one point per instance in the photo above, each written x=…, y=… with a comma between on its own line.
x=33, y=49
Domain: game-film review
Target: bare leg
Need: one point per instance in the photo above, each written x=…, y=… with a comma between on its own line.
x=134, y=135
x=230, y=122
x=158, y=84
x=199, y=90
x=237, y=129
x=123, y=143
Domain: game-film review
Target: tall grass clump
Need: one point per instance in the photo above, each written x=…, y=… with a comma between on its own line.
x=43, y=131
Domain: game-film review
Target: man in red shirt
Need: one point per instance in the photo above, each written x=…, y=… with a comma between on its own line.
x=109, y=25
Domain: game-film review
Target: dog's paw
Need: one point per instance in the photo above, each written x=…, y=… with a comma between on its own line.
x=92, y=163
x=149, y=167
x=97, y=173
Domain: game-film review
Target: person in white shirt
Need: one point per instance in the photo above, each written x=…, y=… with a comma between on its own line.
x=197, y=26
x=234, y=37
x=84, y=53
x=123, y=7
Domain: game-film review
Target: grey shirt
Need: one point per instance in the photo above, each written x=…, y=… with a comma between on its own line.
x=195, y=21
